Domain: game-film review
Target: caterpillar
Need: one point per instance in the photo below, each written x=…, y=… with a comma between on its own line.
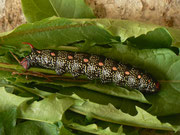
x=93, y=66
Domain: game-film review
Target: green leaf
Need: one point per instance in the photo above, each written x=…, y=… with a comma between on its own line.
x=8, y=110
x=45, y=34
x=94, y=31
x=94, y=129
x=53, y=32
x=35, y=10
x=106, y=89
x=103, y=112
x=91, y=36
x=175, y=33
x=49, y=109
x=72, y=9
x=111, y=114
x=155, y=61
x=159, y=38
x=163, y=64
x=74, y=118
x=8, y=100
x=127, y=106
x=35, y=128
x=7, y=120
x=172, y=119
x=143, y=35
x=65, y=131
x=116, y=91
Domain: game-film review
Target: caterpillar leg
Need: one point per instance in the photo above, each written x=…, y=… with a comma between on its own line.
x=75, y=69
x=59, y=71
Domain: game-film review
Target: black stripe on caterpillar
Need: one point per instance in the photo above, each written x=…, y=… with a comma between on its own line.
x=93, y=66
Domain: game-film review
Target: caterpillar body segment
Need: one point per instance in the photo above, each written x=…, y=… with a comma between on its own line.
x=93, y=66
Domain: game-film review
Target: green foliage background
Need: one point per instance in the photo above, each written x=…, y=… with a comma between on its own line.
x=63, y=105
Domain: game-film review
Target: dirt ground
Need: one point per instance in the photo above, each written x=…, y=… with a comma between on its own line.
x=10, y=14
x=162, y=12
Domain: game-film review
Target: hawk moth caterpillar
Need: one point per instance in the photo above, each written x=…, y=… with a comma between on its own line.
x=93, y=66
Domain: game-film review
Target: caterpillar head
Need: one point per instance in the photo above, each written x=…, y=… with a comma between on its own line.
x=25, y=63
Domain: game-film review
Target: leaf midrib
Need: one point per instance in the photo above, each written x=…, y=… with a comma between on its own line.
x=50, y=28
x=55, y=8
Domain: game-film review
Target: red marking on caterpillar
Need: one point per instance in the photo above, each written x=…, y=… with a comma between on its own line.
x=127, y=73
x=139, y=76
x=53, y=54
x=95, y=67
x=114, y=68
x=85, y=60
x=38, y=51
x=101, y=64
x=70, y=57
x=28, y=44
